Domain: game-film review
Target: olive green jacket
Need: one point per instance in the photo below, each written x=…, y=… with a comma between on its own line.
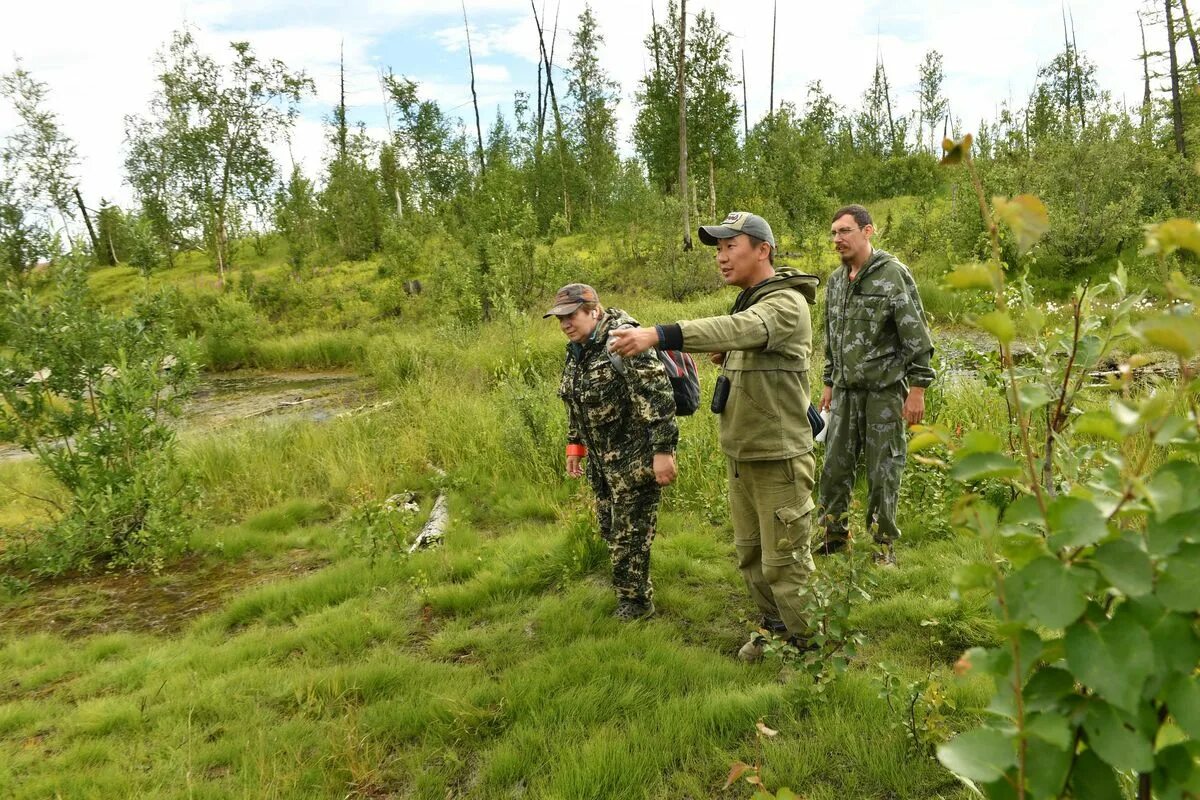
x=875, y=331
x=767, y=341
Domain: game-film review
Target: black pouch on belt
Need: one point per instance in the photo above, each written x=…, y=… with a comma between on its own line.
x=720, y=394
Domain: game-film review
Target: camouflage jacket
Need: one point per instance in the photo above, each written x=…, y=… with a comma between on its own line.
x=767, y=341
x=875, y=331
x=622, y=419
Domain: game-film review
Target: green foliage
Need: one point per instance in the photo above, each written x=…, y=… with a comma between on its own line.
x=90, y=394
x=1097, y=669
x=199, y=162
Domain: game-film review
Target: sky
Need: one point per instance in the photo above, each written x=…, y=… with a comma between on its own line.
x=98, y=58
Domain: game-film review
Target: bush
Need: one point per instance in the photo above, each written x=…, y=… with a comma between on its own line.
x=89, y=393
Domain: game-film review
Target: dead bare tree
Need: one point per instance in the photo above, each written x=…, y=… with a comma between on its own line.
x=1145, y=71
x=1176, y=105
x=682, y=88
x=774, y=20
x=745, y=113
x=474, y=96
x=1191, y=32
x=558, y=132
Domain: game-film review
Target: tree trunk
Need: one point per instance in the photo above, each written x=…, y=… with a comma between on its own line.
x=558, y=134
x=474, y=96
x=1191, y=32
x=683, y=185
x=745, y=113
x=887, y=99
x=1070, y=57
x=774, y=19
x=88, y=221
x=1176, y=106
x=712, y=187
x=1145, y=73
x=342, y=127
x=1078, y=78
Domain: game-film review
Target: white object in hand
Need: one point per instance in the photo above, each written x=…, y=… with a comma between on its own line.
x=820, y=437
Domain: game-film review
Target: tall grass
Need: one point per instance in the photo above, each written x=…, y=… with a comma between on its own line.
x=492, y=667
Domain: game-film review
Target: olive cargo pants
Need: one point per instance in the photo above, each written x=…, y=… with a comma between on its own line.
x=770, y=503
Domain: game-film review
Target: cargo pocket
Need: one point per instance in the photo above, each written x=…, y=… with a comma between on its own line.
x=792, y=531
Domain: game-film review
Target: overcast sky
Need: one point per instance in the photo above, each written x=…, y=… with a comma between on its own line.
x=98, y=57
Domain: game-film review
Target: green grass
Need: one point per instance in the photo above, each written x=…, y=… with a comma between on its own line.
x=491, y=667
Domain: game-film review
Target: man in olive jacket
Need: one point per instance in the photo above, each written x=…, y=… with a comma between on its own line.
x=766, y=344
x=877, y=352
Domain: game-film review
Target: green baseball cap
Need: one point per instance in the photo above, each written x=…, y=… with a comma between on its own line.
x=738, y=222
x=571, y=297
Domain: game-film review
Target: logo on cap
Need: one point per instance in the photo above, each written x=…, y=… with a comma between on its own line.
x=733, y=217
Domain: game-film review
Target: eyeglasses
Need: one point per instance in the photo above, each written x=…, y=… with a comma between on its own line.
x=842, y=233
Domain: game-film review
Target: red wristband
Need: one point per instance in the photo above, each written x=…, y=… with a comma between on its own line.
x=576, y=450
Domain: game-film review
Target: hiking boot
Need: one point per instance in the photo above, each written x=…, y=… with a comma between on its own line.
x=628, y=611
x=832, y=546
x=885, y=557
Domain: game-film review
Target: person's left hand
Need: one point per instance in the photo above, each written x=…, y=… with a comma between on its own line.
x=914, y=406
x=631, y=341
x=664, y=468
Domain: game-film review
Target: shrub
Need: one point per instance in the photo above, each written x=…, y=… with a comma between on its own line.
x=89, y=393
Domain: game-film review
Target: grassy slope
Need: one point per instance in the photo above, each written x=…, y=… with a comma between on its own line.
x=489, y=668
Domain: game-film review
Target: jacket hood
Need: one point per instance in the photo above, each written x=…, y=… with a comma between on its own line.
x=878, y=258
x=613, y=318
x=782, y=280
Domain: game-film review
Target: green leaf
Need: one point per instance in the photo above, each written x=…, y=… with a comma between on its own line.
x=1114, y=658
x=1179, y=580
x=1099, y=423
x=1023, y=510
x=1055, y=594
x=998, y=324
x=1047, y=689
x=1166, y=237
x=1165, y=537
x=1046, y=767
x=1092, y=779
x=1172, y=490
x=1051, y=728
x=1074, y=523
x=1117, y=741
x=1126, y=566
x=1026, y=216
x=1183, y=699
x=954, y=152
x=979, y=442
x=1033, y=396
x=971, y=276
x=1176, y=647
x=1173, y=332
x=977, y=466
x=981, y=755
x=924, y=441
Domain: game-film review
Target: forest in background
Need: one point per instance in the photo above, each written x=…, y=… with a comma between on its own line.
x=199, y=163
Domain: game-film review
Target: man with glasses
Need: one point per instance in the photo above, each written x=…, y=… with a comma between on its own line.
x=877, y=352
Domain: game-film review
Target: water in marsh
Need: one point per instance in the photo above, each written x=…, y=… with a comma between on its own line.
x=269, y=398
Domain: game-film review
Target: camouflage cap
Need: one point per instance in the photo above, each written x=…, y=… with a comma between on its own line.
x=571, y=297
x=738, y=222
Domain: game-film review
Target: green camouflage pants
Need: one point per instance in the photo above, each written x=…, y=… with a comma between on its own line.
x=627, y=516
x=867, y=424
x=771, y=505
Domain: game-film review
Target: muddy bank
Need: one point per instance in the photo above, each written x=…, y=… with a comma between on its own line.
x=143, y=602
x=224, y=398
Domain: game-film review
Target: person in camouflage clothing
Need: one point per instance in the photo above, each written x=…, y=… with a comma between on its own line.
x=765, y=347
x=877, y=351
x=621, y=419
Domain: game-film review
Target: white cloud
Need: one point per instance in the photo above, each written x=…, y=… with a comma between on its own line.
x=98, y=59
